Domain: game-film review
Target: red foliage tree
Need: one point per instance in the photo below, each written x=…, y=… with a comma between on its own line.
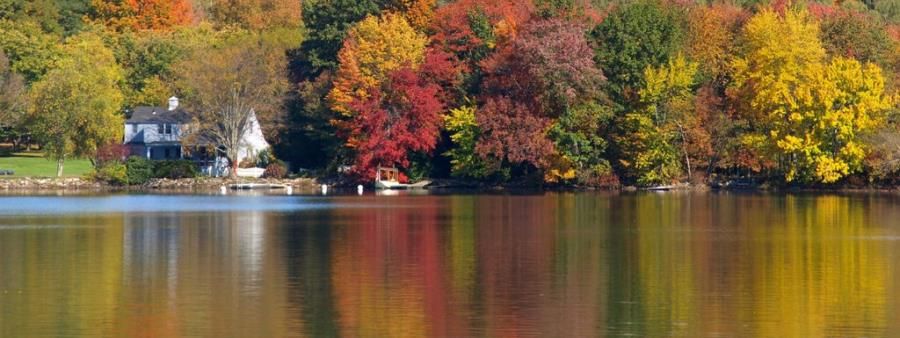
x=780, y=6
x=443, y=69
x=404, y=117
x=466, y=26
x=821, y=11
x=511, y=132
x=529, y=82
x=111, y=152
x=550, y=65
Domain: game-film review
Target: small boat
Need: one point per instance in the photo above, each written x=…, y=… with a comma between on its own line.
x=386, y=178
x=660, y=188
x=256, y=186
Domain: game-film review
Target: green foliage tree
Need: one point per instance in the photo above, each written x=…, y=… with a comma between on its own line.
x=889, y=9
x=31, y=51
x=75, y=108
x=310, y=119
x=147, y=60
x=326, y=23
x=464, y=133
x=580, y=136
x=633, y=37
x=44, y=13
x=71, y=15
x=12, y=103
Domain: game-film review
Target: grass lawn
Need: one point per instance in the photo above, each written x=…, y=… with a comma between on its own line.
x=35, y=165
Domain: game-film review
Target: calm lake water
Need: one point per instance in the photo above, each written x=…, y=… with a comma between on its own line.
x=557, y=265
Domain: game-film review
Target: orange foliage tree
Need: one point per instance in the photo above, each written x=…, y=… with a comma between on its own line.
x=257, y=14
x=419, y=13
x=465, y=27
x=374, y=47
x=142, y=14
x=712, y=31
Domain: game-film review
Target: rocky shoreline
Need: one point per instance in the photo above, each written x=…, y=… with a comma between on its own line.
x=27, y=185
x=36, y=183
x=189, y=184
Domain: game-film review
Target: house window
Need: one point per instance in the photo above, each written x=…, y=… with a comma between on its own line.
x=164, y=129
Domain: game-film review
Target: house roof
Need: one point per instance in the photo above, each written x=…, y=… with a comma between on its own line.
x=143, y=114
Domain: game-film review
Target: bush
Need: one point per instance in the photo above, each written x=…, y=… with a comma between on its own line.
x=247, y=163
x=276, y=169
x=139, y=170
x=111, y=153
x=175, y=169
x=113, y=173
x=264, y=158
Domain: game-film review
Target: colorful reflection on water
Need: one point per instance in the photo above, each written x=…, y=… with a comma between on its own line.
x=560, y=265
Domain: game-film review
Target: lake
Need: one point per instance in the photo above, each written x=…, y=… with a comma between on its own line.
x=556, y=264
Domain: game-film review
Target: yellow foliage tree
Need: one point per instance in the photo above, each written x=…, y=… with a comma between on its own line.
x=668, y=83
x=373, y=48
x=647, y=139
x=810, y=112
x=76, y=107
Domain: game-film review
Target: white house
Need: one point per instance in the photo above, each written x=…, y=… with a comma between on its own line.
x=157, y=133
x=253, y=142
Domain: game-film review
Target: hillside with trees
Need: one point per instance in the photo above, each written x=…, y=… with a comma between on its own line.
x=595, y=93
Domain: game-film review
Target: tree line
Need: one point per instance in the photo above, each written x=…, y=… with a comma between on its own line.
x=594, y=93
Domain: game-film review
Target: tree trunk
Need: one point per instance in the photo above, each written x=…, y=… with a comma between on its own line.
x=59, y=166
x=234, y=167
x=687, y=159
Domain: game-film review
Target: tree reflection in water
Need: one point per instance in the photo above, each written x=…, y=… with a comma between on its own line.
x=587, y=264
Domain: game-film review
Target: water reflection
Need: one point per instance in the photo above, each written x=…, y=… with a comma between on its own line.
x=553, y=265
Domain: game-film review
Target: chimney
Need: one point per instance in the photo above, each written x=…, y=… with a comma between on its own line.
x=173, y=103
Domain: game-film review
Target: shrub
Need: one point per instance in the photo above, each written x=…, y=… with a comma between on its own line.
x=248, y=162
x=111, y=153
x=139, y=170
x=175, y=169
x=113, y=173
x=264, y=158
x=276, y=169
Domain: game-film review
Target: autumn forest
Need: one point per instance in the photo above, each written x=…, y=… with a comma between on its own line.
x=593, y=93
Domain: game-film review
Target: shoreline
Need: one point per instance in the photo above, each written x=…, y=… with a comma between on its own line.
x=20, y=185
x=77, y=184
